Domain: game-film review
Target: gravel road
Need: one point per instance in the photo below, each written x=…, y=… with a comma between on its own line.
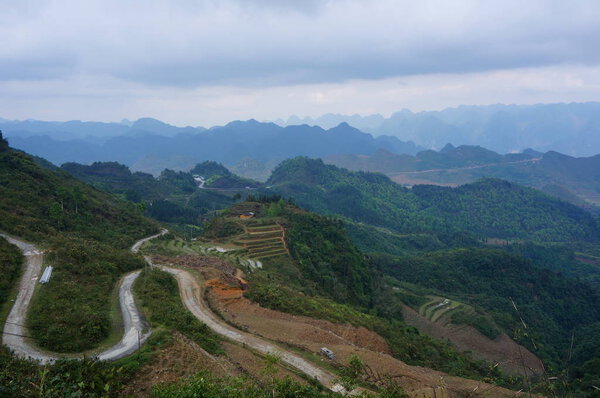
x=191, y=296
x=137, y=245
x=14, y=329
x=135, y=329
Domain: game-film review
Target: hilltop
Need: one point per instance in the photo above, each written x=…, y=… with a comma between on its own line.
x=569, y=178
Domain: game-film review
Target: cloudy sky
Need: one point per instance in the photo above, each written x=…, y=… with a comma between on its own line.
x=208, y=62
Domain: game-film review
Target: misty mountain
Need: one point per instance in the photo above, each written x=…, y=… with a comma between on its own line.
x=94, y=132
x=146, y=150
x=573, y=129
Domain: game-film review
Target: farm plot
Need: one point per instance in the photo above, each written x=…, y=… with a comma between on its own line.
x=263, y=241
x=441, y=309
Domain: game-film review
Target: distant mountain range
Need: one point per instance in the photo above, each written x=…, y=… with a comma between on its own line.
x=151, y=146
x=573, y=129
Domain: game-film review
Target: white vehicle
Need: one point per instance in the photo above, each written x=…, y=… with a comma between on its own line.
x=328, y=353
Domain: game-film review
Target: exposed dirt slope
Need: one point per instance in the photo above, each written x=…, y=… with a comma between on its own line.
x=511, y=357
x=191, y=295
x=345, y=340
x=183, y=358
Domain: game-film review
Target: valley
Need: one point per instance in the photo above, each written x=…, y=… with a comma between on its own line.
x=300, y=199
x=412, y=289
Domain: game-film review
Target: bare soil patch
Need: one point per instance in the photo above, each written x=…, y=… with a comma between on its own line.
x=511, y=357
x=182, y=358
x=211, y=267
x=344, y=340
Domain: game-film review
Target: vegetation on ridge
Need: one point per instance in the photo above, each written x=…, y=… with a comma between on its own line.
x=487, y=209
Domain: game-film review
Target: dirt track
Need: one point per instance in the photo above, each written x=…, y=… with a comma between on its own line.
x=191, y=296
x=14, y=334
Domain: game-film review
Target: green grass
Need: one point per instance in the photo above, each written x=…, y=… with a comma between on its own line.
x=73, y=312
x=11, y=268
x=158, y=296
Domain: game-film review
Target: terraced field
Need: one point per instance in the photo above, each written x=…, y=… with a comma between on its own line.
x=248, y=249
x=263, y=241
x=440, y=309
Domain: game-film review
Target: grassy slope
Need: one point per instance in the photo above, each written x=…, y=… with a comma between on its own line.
x=85, y=232
x=158, y=296
x=10, y=269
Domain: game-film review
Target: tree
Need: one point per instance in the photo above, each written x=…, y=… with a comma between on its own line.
x=55, y=213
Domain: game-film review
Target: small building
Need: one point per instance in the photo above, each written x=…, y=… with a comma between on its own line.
x=246, y=215
x=328, y=353
x=46, y=275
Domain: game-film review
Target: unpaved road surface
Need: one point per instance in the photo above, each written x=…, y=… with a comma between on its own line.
x=135, y=333
x=191, y=296
x=14, y=329
x=136, y=330
x=137, y=245
x=477, y=166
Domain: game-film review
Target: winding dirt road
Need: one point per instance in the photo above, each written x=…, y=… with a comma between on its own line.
x=134, y=335
x=136, y=331
x=191, y=295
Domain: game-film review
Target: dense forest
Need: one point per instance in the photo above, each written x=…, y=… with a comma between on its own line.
x=172, y=197
x=489, y=208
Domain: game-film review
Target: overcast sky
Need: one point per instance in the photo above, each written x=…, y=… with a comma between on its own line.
x=208, y=62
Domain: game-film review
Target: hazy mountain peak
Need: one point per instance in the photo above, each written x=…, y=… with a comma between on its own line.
x=448, y=148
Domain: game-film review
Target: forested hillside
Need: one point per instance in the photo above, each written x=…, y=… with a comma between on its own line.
x=38, y=203
x=218, y=176
x=174, y=196
x=86, y=234
x=573, y=179
x=551, y=304
x=489, y=208
x=326, y=277
x=517, y=291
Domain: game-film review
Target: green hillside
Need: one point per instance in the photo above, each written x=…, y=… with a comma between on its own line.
x=218, y=176
x=487, y=209
x=552, y=305
x=572, y=179
x=173, y=197
x=327, y=277
x=86, y=234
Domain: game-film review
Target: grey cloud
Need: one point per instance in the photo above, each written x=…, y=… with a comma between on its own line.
x=265, y=43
